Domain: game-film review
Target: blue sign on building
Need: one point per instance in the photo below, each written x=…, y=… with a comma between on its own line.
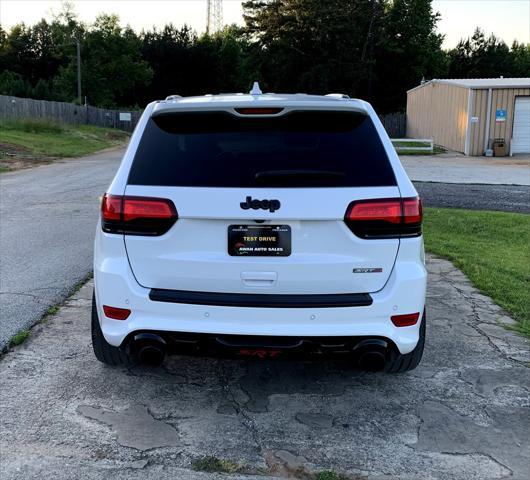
x=500, y=115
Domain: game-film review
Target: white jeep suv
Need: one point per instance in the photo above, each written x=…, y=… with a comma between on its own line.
x=262, y=225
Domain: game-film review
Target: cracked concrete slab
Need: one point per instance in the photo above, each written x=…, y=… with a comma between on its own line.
x=462, y=414
x=444, y=430
x=285, y=464
x=495, y=382
x=135, y=427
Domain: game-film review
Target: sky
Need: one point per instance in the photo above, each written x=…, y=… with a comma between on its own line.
x=507, y=19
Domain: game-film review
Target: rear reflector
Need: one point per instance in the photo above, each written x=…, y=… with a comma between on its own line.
x=137, y=215
x=258, y=111
x=406, y=320
x=116, y=313
x=385, y=218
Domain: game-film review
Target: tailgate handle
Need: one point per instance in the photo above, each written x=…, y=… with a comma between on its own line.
x=259, y=279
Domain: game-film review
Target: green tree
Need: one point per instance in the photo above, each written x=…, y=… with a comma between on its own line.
x=372, y=49
x=223, y=55
x=44, y=59
x=12, y=83
x=43, y=90
x=409, y=50
x=375, y=49
x=186, y=64
x=37, y=53
x=479, y=57
x=113, y=70
x=313, y=46
x=168, y=54
x=520, y=54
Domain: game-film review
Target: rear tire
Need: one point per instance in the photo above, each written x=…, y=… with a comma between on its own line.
x=409, y=361
x=104, y=351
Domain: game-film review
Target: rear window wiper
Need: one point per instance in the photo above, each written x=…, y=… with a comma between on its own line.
x=283, y=177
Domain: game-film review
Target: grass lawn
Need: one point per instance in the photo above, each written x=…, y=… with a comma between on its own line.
x=41, y=138
x=410, y=143
x=403, y=144
x=492, y=249
x=436, y=151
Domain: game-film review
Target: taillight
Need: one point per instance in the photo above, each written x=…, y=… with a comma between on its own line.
x=385, y=218
x=137, y=215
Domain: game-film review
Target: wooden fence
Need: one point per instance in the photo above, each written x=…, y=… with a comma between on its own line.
x=15, y=108
x=395, y=124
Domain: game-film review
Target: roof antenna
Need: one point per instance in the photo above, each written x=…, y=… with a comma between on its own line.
x=255, y=89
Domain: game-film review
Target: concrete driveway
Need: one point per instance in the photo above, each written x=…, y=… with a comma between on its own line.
x=457, y=168
x=463, y=414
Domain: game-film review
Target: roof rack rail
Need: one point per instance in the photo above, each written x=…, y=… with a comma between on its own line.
x=337, y=95
x=173, y=97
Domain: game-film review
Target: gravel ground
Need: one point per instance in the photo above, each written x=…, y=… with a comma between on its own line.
x=505, y=198
x=463, y=414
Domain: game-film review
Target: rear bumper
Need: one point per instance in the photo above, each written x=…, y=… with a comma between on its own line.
x=404, y=292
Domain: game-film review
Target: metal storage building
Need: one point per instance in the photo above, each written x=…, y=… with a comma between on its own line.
x=467, y=115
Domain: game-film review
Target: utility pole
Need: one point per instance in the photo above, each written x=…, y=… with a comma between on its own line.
x=214, y=16
x=78, y=44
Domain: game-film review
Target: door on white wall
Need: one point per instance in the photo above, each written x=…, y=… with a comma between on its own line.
x=521, y=126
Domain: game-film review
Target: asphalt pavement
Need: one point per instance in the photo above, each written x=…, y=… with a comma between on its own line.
x=504, y=198
x=463, y=414
x=47, y=224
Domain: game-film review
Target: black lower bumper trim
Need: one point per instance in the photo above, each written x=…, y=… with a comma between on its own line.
x=223, y=345
x=259, y=300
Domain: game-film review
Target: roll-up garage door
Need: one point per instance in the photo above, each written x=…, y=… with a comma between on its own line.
x=521, y=126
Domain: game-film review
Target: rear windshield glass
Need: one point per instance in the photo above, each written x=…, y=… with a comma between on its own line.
x=299, y=149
